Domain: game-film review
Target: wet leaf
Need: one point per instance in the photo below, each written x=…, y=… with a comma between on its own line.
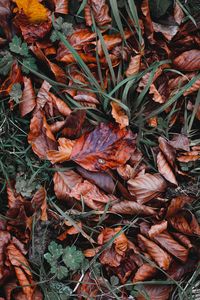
x=105, y=147
x=146, y=187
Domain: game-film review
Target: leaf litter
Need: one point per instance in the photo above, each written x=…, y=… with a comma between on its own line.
x=101, y=101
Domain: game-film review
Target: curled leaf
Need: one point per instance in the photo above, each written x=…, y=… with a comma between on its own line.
x=119, y=115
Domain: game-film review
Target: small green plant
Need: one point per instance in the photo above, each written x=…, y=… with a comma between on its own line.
x=64, y=260
x=16, y=93
x=64, y=27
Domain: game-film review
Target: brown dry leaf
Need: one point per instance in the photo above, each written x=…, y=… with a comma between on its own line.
x=165, y=169
x=17, y=259
x=188, y=60
x=71, y=185
x=100, y=11
x=134, y=65
x=148, y=25
x=156, y=96
x=166, y=241
x=70, y=231
x=194, y=88
x=162, y=258
x=27, y=101
x=39, y=201
x=15, y=76
x=105, y=147
x=185, y=222
x=24, y=282
x=183, y=239
x=144, y=272
x=188, y=158
x=168, y=31
x=74, y=124
x=157, y=229
x=130, y=208
x=61, y=6
x=5, y=14
x=168, y=150
x=40, y=136
x=119, y=115
x=155, y=292
x=146, y=187
x=180, y=142
x=103, y=180
x=178, y=13
x=64, y=151
x=177, y=204
x=4, y=240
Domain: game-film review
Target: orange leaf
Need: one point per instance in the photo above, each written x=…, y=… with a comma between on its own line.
x=61, y=6
x=157, y=229
x=165, y=169
x=188, y=60
x=162, y=258
x=134, y=65
x=35, y=11
x=27, y=102
x=155, y=292
x=130, y=208
x=145, y=272
x=119, y=115
x=64, y=151
x=39, y=201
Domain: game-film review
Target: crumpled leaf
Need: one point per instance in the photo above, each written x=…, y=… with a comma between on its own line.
x=119, y=115
x=188, y=61
x=162, y=258
x=40, y=136
x=64, y=151
x=100, y=11
x=71, y=185
x=146, y=187
x=27, y=102
x=35, y=11
x=105, y=147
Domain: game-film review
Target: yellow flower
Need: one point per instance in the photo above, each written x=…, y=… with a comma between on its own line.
x=35, y=11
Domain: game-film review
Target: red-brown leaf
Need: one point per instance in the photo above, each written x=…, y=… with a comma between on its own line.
x=134, y=65
x=146, y=187
x=145, y=272
x=165, y=169
x=177, y=204
x=105, y=147
x=157, y=229
x=186, y=223
x=162, y=258
x=155, y=292
x=61, y=6
x=119, y=115
x=188, y=60
x=130, y=208
x=100, y=11
x=27, y=102
x=40, y=136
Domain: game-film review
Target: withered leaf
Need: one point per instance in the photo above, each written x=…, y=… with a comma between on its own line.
x=105, y=147
x=146, y=187
x=188, y=60
x=130, y=208
x=162, y=258
x=186, y=223
x=134, y=65
x=40, y=136
x=64, y=151
x=177, y=204
x=157, y=229
x=155, y=292
x=39, y=201
x=61, y=6
x=27, y=102
x=165, y=169
x=119, y=115
x=100, y=11
x=145, y=272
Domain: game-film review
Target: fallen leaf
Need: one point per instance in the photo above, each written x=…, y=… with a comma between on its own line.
x=39, y=201
x=183, y=239
x=5, y=14
x=177, y=204
x=24, y=282
x=130, y=208
x=103, y=180
x=40, y=136
x=119, y=115
x=61, y=6
x=157, y=229
x=27, y=102
x=4, y=240
x=168, y=150
x=134, y=65
x=105, y=147
x=165, y=169
x=162, y=258
x=35, y=11
x=188, y=61
x=144, y=272
x=100, y=11
x=146, y=187
x=185, y=222
x=180, y=142
x=74, y=124
x=64, y=151
x=155, y=292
